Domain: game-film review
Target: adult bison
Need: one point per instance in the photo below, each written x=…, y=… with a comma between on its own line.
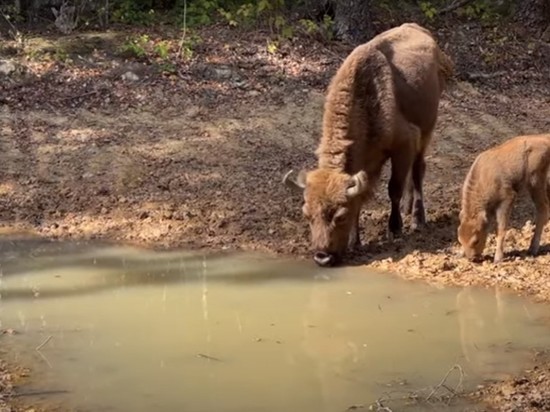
x=381, y=104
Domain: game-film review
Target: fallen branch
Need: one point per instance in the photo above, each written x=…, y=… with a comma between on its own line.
x=454, y=6
x=77, y=96
x=16, y=34
x=485, y=76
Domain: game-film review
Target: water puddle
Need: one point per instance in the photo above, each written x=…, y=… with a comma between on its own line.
x=120, y=329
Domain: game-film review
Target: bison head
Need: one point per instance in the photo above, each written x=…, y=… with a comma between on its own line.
x=472, y=234
x=332, y=200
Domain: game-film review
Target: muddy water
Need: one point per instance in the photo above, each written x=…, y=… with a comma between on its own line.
x=119, y=329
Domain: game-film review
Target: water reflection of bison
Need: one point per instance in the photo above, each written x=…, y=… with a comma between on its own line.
x=486, y=332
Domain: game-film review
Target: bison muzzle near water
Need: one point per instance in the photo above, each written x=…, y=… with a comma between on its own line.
x=381, y=104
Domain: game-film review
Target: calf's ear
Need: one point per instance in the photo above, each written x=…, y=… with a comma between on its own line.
x=296, y=183
x=357, y=184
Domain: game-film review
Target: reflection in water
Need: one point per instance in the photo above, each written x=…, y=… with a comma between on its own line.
x=478, y=314
x=138, y=330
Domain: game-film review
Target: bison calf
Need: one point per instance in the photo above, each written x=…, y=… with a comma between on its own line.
x=493, y=182
x=381, y=104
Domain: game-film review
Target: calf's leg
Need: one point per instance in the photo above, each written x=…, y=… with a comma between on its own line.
x=539, y=194
x=502, y=216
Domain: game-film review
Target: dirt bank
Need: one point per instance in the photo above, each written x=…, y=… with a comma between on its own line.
x=194, y=157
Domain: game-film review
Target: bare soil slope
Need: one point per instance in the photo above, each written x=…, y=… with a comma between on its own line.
x=195, y=159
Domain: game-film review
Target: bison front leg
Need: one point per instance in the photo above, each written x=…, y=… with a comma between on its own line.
x=401, y=163
x=354, y=241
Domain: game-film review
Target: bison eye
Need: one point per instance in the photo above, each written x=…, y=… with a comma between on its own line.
x=340, y=215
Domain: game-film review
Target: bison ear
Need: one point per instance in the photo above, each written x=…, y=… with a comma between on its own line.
x=295, y=183
x=357, y=185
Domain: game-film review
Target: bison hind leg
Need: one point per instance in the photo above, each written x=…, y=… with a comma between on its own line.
x=401, y=162
x=408, y=197
x=418, y=210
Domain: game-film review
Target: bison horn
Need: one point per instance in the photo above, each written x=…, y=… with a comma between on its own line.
x=297, y=184
x=357, y=185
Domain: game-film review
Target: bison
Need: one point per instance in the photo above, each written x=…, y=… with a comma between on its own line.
x=491, y=185
x=381, y=104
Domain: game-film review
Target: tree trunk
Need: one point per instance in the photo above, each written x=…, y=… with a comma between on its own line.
x=353, y=20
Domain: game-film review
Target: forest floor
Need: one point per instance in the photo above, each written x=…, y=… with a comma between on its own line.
x=190, y=153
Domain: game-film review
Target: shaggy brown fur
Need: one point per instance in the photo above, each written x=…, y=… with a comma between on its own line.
x=493, y=182
x=381, y=104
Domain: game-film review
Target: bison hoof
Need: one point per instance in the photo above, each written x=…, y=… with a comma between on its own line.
x=396, y=230
x=417, y=226
x=393, y=235
x=354, y=245
x=533, y=250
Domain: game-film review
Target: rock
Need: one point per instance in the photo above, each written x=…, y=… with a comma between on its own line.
x=7, y=67
x=192, y=112
x=130, y=76
x=221, y=72
x=239, y=83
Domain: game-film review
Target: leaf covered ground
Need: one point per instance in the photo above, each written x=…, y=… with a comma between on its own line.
x=190, y=152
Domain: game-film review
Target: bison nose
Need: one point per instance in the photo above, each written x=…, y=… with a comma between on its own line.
x=323, y=259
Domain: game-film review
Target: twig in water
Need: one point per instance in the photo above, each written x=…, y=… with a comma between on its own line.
x=45, y=359
x=418, y=396
x=43, y=343
x=202, y=355
x=442, y=384
x=39, y=393
x=380, y=406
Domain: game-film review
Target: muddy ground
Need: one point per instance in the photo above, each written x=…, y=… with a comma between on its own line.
x=194, y=157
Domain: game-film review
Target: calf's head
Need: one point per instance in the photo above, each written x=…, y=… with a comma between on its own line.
x=472, y=234
x=332, y=200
